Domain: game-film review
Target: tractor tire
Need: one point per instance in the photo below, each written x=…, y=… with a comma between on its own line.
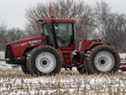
x=44, y=61
x=102, y=59
x=24, y=69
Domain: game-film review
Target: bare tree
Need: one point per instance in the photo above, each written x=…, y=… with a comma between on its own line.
x=3, y=32
x=102, y=12
x=14, y=34
x=111, y=26
x=7, y=35
x=116, y=31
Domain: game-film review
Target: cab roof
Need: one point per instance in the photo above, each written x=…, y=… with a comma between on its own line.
x=58, y=20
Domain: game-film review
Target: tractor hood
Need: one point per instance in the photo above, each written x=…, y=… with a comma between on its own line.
x=27, y=39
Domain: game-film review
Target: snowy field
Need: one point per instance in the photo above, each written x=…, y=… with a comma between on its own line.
x=14, y=82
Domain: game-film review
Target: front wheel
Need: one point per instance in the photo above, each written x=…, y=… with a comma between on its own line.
x=44, y=61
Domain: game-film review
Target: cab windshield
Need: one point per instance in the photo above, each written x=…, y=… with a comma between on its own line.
x=63, y=33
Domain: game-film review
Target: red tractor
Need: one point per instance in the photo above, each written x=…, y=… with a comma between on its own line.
x=55, y=47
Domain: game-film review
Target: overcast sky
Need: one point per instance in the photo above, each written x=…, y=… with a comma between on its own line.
x=12, y=12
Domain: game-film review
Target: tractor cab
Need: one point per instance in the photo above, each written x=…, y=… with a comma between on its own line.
x=60, y=32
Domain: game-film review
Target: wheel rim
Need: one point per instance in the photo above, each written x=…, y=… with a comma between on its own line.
x=104, y=61
x=45, y=62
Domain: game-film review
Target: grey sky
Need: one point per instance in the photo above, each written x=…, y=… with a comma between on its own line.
x=12, y=12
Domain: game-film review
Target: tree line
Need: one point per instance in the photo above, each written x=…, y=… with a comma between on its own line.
x=93, y=21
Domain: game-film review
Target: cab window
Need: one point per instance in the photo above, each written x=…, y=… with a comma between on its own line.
x=46, y=29
x=63, y=33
